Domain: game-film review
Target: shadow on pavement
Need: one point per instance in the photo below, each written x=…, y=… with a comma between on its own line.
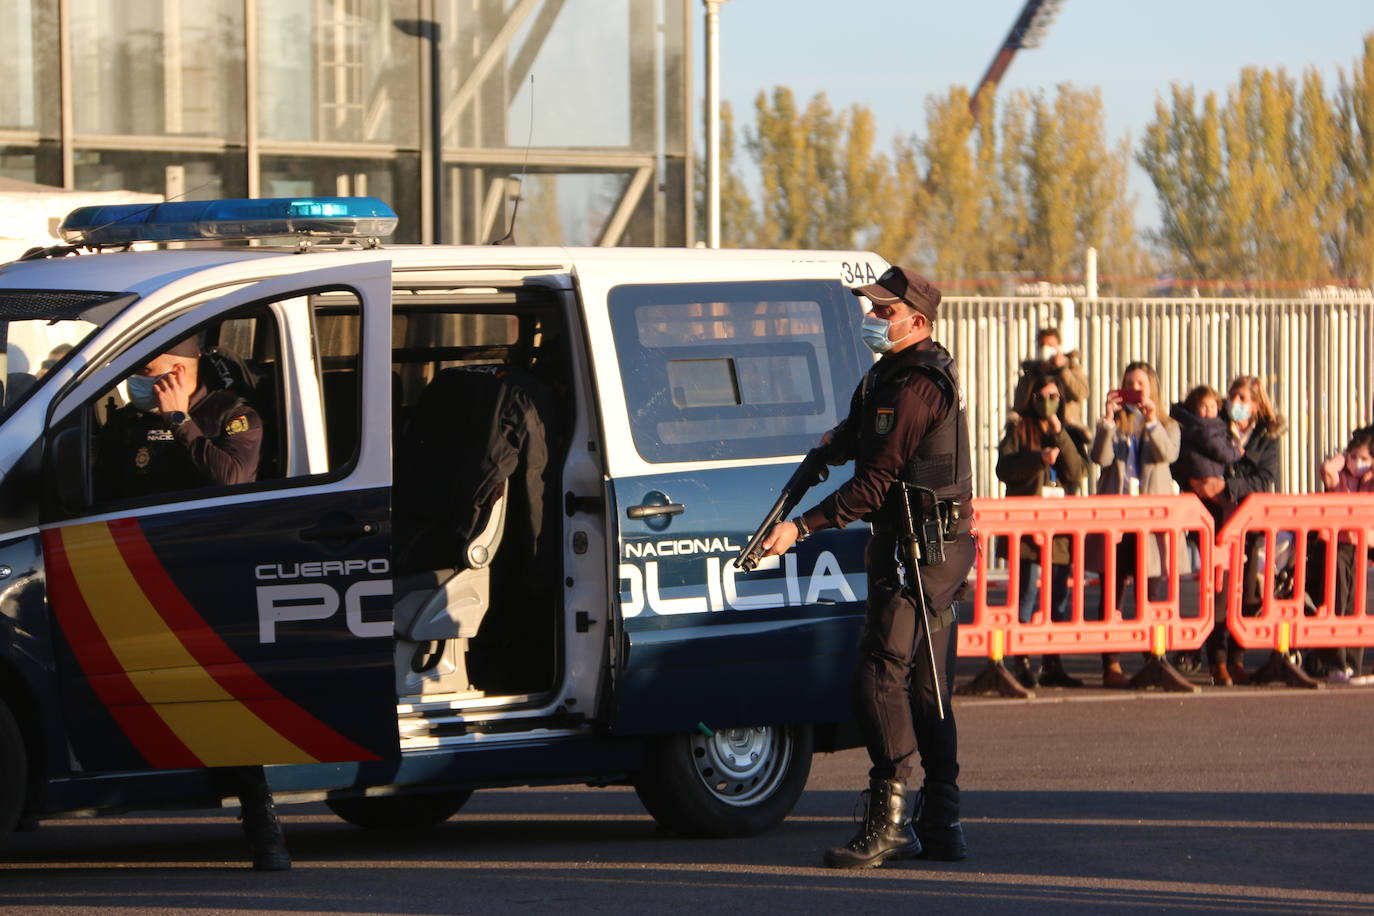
x=1047, y=851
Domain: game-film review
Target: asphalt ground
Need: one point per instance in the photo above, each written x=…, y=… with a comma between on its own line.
x=1247, y=800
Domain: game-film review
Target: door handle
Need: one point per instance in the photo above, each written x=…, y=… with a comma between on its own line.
x=339, y=529
x=649, y=510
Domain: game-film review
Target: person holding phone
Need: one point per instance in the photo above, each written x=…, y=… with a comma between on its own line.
x=1134, y=444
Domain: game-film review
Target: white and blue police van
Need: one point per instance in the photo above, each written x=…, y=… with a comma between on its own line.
x=489, y=541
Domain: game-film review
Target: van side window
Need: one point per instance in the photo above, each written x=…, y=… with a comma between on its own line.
x=734, y=370
x=224, y=426
x=338, y=345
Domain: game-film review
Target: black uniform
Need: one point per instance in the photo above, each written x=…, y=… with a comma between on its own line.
x=139, y=454
x=906, y=423
x=219, y=443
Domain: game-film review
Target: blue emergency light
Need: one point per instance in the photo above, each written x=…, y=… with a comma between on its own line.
x=336, y=217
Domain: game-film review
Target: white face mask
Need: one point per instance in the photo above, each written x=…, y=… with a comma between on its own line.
x=141, y=393
x=1048, y=353
x=874, y=331
x=1358, y=466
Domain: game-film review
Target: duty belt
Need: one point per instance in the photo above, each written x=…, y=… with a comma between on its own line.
x=887, y=529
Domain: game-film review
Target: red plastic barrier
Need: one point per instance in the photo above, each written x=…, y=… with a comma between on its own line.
x=1159, y=625
x=1289, y=620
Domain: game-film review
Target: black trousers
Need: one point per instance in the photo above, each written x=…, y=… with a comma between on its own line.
x=893, y=693
x=1222, y=647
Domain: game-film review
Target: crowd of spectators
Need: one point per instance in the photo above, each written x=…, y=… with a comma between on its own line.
x=1220, y=447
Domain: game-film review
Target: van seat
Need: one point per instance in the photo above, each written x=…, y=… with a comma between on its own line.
x=469, y=433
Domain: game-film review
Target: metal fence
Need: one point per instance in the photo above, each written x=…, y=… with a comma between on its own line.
x=1314, y=357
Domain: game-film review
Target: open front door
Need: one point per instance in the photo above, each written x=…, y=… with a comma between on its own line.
x=246, y=622
x=711, y=393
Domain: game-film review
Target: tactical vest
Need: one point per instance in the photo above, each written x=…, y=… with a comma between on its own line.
x=942, y=461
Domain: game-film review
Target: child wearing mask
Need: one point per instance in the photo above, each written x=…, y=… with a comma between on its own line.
x=1206, y=448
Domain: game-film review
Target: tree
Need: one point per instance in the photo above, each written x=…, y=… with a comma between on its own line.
x=1258, y=189
x=1350, y=235
x=1182, y=154
x=823, y=180
x=955, y=190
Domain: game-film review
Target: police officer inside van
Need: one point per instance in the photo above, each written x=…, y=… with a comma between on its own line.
x=175, y=435
x=906, y=426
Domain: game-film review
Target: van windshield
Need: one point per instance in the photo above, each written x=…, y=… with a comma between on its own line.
x=38, y=328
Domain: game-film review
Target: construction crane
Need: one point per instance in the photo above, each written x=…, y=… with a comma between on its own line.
x=1028, y=31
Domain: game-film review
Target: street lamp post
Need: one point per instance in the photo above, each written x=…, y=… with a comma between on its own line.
x=429, y=30
x=713, y=123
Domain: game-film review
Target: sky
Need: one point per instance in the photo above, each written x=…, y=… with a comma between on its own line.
x=891, y=54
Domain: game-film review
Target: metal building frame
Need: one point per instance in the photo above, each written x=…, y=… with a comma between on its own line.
x=657, y=198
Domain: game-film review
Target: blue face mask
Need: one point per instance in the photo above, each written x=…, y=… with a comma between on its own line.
x=874, y=332
x=1239, y=412
x=141, y=393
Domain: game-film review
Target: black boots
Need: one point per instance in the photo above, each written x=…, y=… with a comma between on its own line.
x=1021, y=670
x=886, y=833
x=937, y=822
x=263, y=830
x=1052, y=674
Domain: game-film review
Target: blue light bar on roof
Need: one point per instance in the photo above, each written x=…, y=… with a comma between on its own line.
x=336, y=217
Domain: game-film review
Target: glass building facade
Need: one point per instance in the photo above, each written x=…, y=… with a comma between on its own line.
x=194, y=99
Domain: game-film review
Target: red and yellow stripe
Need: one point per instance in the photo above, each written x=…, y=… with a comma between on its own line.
x=176, y=689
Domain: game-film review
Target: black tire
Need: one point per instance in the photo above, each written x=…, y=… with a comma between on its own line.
x=399, y=812
x=717, y=787
x=14, y=771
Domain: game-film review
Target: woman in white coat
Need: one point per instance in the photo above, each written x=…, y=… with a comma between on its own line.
x=1134, y=444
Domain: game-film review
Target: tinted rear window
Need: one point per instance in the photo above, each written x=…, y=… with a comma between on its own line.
x=734, y=370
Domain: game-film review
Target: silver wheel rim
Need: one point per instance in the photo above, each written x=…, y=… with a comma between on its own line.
x=742, y=766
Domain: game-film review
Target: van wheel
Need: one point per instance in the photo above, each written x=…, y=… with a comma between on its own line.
x=14, y=771
x=399, y=812
x=738, y=782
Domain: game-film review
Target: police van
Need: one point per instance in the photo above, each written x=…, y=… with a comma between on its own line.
x=489, y=541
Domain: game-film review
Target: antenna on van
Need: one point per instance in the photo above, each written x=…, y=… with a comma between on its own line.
x=520, y=194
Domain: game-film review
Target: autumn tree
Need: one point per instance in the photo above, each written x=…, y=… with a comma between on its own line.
x=1182, y=154
x=822, y=178
x=1350, y=237
x=1272, y=187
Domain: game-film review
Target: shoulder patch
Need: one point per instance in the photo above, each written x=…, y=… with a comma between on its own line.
x=882, y=421
x=237, y=425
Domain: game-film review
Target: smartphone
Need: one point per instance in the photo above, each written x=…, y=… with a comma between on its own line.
x=1130, y=395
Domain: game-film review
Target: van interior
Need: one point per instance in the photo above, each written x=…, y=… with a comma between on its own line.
x=481, y=410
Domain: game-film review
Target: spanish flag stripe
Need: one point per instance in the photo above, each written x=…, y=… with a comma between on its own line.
x=210, y=721
x=288, y=718
x=158, y=744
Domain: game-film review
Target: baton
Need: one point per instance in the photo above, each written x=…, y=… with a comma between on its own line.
x=910, y=563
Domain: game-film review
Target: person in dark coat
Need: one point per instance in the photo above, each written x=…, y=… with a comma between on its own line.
x=1256, y=427
x=1206, y=448
x=1042, y=455
x=1064, y=366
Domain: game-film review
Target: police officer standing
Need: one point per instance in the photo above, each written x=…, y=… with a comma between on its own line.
x=174, y=434
x=906, y=427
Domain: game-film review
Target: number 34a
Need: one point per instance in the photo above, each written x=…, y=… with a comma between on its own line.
x=857, y=272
